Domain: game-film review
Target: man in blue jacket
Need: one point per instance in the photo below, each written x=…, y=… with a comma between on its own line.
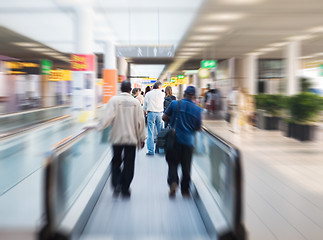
x=189, y=120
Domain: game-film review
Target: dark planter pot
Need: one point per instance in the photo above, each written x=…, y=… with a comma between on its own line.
x=301, y=132
x=267, y=122
x=272, y=123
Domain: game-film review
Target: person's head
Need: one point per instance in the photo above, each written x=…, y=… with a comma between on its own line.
x=168, y=91
x=126, y=86
x=147, y=89
x=135, y=91
x=157, y=85
x=190, y=93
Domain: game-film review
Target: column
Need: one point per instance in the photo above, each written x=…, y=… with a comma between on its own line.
x=251, y=74
x=180, y=91
x=197, y=84
x=109, y=72
x=83, y=65
x=292, y=55
x=122, y=69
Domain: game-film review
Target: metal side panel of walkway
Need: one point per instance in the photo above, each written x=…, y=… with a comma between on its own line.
x=149, y=213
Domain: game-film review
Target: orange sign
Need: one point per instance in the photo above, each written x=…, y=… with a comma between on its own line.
x=109, y=84
x=121, y=78
x=82, y=62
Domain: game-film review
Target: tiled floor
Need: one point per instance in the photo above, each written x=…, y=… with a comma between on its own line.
x=283, y=183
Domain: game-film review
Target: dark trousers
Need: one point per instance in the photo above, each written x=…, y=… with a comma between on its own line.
x=181, y=155
x=123, y=177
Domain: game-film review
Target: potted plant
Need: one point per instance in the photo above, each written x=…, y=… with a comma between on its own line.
x=304, y=111
x=269, y=110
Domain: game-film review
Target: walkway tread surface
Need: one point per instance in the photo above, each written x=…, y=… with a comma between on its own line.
x=149, y=213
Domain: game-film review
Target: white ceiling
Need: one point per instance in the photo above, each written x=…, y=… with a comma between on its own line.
x=176, y=22
x=149, y=70
x=135, y=22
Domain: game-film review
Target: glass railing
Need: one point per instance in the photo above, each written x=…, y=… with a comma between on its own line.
x=14, y=121
x=219, y=163
x=68, y=169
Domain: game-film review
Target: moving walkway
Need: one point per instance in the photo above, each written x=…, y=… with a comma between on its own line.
x=78, y=201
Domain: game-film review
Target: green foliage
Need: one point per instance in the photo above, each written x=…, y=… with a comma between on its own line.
x=305, y=107
x=271, y=103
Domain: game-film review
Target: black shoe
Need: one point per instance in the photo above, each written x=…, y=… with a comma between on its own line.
x=186, y=193
x=149, y=154
x=126, y=194
x=116, y=191
x=172, y=190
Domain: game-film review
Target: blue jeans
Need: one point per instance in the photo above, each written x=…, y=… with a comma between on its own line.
x=154, y=120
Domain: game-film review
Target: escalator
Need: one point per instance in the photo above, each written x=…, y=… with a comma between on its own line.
x=79, y=203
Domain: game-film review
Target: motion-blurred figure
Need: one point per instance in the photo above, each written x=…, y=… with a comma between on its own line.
x=154, y=106
x=189, y=120
x=233, y=109
x=169, y=97
x=125, y=115
x=136, y=92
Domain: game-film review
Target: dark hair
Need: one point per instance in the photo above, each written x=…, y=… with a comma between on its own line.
x=126, y=86
x=135, y=90
x=147, y=89
x=157, y=85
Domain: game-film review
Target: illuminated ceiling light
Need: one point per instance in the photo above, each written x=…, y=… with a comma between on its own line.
x=300, y=38
x=196, y=44
x=305, y=57
x=240, y=2
x=213, y=29
x=316, y=29
x=186, y=54
x=190, y=49
x=26, y=44
x=318, y=54
x=266, y=49
x=203, y=37
x=52, y=54
x=255, y=53
x=38, y=49
x=278, y=44
x=225, y=17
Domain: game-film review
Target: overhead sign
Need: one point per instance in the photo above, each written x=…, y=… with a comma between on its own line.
x=17, y=68
x=60, y=75
x=145, y=51
x=180, y=76
x=208, y=63
x=46, y=66
x=82, y=62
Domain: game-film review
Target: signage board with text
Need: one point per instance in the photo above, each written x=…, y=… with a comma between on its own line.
x=208, y=63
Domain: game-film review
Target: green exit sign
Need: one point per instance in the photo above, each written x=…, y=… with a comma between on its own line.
x=208, y=63
x=180, y=76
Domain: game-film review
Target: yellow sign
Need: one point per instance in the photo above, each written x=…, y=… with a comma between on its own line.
x=60, y=75
x=19, y=65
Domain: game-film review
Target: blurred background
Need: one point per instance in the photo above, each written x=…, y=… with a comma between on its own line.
x=257, y=66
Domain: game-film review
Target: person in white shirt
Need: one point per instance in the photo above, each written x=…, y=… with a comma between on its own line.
x=125, y=114
x=154, y=107
x=233, y=101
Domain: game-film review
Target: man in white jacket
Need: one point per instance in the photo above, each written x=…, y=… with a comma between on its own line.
x=126, y=116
